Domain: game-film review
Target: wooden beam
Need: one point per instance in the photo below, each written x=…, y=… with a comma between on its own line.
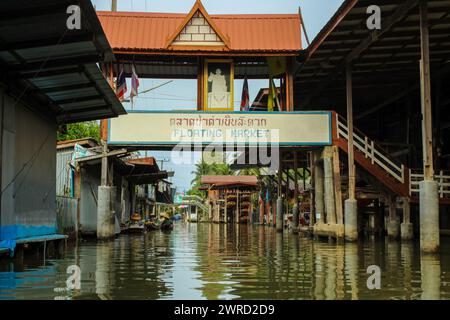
x=337, y=185
x=200, y=86
x=295, y=177
x=425, y=84
x=99, y=156
x=289, y=86
x=351, y=161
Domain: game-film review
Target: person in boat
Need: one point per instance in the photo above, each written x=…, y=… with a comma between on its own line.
x=152, y=223
x=166, y=221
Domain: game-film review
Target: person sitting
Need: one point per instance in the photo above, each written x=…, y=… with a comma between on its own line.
x=166, y=221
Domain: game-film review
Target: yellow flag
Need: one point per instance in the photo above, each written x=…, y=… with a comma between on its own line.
x=270, y=97
x=272, y=101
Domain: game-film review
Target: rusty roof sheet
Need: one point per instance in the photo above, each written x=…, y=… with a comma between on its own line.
x=138, y=31
x=149, y=161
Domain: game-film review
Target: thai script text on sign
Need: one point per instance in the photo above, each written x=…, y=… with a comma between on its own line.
x=171, y=128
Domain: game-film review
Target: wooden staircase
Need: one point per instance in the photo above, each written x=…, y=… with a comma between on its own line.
x=394, y=176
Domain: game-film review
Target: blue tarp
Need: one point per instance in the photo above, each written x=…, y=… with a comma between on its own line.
x=10, y=245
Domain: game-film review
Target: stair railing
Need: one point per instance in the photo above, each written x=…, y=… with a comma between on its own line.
x=371, y=150
x=442, y=178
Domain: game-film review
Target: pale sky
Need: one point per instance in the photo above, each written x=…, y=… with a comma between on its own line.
x=181, y=94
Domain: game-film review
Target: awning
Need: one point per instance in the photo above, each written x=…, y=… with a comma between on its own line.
x=54, y=70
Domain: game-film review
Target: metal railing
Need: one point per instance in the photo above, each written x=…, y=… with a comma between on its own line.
x=443, y=180
x=195, y=201
x=372, y=151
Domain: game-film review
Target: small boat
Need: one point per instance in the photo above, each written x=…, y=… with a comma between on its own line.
x=135, y=225
x=152, y=225
x=167, y=223
x=167, y=226
x=136, y=228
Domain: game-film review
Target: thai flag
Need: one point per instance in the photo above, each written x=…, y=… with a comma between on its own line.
x=134, y=82
x=121, y=84
x=245, y=100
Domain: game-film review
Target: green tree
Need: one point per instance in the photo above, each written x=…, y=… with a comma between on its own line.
x=80, y=130
x=203, y=168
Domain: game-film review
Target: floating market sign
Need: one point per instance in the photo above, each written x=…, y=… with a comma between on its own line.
x=239, y=128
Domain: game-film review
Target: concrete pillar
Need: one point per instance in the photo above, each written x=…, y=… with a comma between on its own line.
x=280, y=216
x=295, y=217
x=429, y=216
x=105, y=216
x=393, y=227
x=319, y=189
x=351, y=220
x=312, y=200
x=429, y=198
x=406, y=228
x=330, y=204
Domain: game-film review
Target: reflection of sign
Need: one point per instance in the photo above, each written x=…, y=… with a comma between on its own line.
x=172, y=128
x=219, y=79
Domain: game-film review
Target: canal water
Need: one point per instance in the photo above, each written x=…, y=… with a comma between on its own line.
x=206, y=261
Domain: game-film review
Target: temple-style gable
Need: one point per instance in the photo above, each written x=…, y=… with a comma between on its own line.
x=198, y=29
x=198, y=32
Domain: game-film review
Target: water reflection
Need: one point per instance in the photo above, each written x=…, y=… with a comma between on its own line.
x=218, y=261
x=431, y=277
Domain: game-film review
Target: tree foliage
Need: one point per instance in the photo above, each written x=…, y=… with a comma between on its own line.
x=80, y=130
x=204, y=168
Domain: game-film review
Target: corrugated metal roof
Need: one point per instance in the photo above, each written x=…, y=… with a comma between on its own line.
x=230, y=180
x=132, y=31
x=52, y=69
x=389, y=56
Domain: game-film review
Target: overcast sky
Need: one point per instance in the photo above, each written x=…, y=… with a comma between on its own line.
x=181, y=94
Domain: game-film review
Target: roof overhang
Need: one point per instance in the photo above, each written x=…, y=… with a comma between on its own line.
x=384, y=62
x=54, y=70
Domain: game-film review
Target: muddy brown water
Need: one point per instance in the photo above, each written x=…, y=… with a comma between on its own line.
x=209, y=261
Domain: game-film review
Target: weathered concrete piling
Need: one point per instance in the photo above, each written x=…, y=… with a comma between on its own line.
x=105, y=216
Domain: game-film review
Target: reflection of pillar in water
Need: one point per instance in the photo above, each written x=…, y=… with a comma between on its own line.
x=261, y=237
x=279, y=256
x=104, y=280
x=393, y=259
x=318, y=274
x=330, y=277
x=340, y=275
x=430, y=266
x=351, y=268
x=407, y=253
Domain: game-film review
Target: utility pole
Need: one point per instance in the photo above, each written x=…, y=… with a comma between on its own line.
x=114, y=5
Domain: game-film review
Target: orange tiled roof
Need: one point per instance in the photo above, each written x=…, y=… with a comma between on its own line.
x=149, y=32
